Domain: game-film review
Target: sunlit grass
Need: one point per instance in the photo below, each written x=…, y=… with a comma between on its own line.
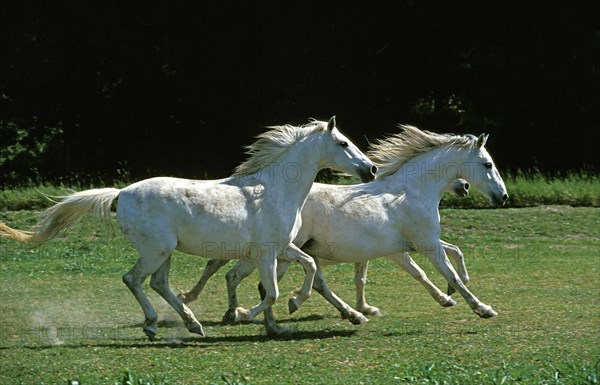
x=65, y=314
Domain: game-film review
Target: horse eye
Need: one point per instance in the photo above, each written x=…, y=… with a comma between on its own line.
x=487, y=165
x=344, y=144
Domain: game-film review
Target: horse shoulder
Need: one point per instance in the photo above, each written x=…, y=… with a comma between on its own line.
x=421, y=225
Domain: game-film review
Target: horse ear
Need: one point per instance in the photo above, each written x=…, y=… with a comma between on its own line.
x=331, y=123
x=482, y=140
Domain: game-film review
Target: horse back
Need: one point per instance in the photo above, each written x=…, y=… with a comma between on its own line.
x=183, y=209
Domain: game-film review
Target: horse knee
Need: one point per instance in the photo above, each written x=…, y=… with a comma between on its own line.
x=269, y=296
x=154, y=284
x=128, y=280
x=157, y=284
x=311, y=267
x=230, y=277
x=270, y=299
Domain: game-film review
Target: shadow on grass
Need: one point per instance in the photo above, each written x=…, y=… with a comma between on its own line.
x=190, y=342
x=132, y=336
x=178, y=323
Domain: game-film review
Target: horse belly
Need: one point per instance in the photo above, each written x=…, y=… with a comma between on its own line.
x=346, y=248
x=226, y=232
x=338, y=236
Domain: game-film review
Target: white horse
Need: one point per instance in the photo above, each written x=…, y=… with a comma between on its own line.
x=459, y=187
x=398, y=212
x=252, y=215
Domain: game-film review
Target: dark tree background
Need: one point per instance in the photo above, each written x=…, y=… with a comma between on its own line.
x=177, y=88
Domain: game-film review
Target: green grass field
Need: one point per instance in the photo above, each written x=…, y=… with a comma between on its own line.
x=66, y=315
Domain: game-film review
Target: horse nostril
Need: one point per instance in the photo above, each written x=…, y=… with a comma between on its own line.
x=505, y=197
x=373, y=169
x=467, y=186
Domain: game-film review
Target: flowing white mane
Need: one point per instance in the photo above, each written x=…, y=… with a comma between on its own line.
x=272, y=144
x=392, y=152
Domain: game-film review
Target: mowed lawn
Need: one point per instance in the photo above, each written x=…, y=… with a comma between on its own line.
x=65, y=314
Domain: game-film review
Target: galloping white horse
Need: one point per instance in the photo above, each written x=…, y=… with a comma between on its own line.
x=459, y=187
x=253, y=215
x=398, y=212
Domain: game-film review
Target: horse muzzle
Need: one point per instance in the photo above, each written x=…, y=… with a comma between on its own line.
x=368, y=175
x=499, y=201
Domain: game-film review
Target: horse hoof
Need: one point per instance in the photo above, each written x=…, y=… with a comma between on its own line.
x=150, y=333
x=485, y=311
x=371, y=310
x=293, y=305
x=449, y=302
x=358, y=318
x=241, y=314
x=489, y=314
x=451, y=290
x=229, y=317
x=196, y=328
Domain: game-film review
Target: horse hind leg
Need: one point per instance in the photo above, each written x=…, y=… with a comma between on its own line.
x=212, y=266
x=345, y=310
x=160, y=283
x=133, y=279
x=360, y=281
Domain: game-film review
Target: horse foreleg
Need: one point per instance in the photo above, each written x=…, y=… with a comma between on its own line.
x=360, y=281
x=267, y=272
x=238, y=272
x=436, y=254
x=291, y=253
x=410, y=266
x=459, y=258
x=160, y=283
x=269, y=319
x=212, y=266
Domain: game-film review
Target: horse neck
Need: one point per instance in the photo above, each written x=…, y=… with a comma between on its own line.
x=290, y=178
x=431, y=172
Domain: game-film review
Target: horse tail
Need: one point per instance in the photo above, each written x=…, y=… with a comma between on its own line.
x=58, y=218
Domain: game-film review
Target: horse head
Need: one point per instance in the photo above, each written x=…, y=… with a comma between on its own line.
x=483, y=174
